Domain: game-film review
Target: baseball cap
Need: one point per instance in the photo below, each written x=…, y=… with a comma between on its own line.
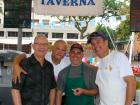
x=77, y=45
x=95, y=35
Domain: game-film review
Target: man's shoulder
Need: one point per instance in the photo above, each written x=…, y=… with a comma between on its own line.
x=64, y=71
x=117, y=54
x=25, y=63
x=90, y=68
x=27, y=60
x=48, y=63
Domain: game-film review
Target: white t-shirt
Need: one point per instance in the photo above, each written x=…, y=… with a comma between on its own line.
x=112, y=87
x=57, y=68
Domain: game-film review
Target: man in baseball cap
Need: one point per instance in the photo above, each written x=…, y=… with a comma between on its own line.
x=113, y=69
x=77, y=80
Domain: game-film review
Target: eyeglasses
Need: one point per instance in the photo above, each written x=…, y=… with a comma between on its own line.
x=41, y=44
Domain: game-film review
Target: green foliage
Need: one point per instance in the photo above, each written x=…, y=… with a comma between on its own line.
x=111, y=8
x=123, y=30
x=115, y=8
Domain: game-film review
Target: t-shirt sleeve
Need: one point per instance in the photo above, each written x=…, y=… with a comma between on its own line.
x=124, y=65
x=61, y=81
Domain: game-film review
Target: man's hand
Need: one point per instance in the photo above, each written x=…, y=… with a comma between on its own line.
x=17, y=70
x=78, y=91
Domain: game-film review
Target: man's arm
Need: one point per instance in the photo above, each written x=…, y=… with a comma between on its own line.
x=130, y=90
x=52, y=96
x=16, y=68
x=80, y=91
x=16, y=97
x=59, y=97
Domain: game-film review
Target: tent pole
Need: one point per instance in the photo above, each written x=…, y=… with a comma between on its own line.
x=131, y=46
x=111, y=38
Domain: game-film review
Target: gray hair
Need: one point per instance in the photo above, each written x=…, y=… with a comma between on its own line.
x=39, y=35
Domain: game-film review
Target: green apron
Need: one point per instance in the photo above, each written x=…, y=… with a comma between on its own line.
x=73, y=83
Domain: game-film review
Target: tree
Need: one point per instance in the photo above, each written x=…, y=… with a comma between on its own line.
x=123, y=30
x=111, y=8
x=77, y=20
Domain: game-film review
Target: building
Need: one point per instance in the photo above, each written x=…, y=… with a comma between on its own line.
x=47, y=25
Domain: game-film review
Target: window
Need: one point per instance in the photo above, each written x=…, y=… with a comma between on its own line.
x=12, y=34
x=16, y=15
x=72, y=35
x=1, y=33
x=57, y=35
x=27, y=34
x=46, y=22
x=43, y=33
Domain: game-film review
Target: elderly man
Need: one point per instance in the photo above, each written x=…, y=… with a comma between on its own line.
x=38, y=86
x=77, y=80
x=114, y=78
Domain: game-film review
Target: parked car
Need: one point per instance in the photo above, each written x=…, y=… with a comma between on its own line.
x=8, y=56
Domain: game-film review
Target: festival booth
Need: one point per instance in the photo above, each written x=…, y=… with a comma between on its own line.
x=77, y=8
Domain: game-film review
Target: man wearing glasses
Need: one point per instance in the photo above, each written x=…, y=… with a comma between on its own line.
x=37, y=87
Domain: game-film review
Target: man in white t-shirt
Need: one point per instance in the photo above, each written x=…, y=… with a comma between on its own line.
x=56, y=57
x=114, y=78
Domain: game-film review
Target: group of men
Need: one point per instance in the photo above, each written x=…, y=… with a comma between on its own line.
x=35, y=77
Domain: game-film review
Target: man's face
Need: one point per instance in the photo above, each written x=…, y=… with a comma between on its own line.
x=100, y=46
x=76, y=56
x=40, y=46
x=59, y=50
